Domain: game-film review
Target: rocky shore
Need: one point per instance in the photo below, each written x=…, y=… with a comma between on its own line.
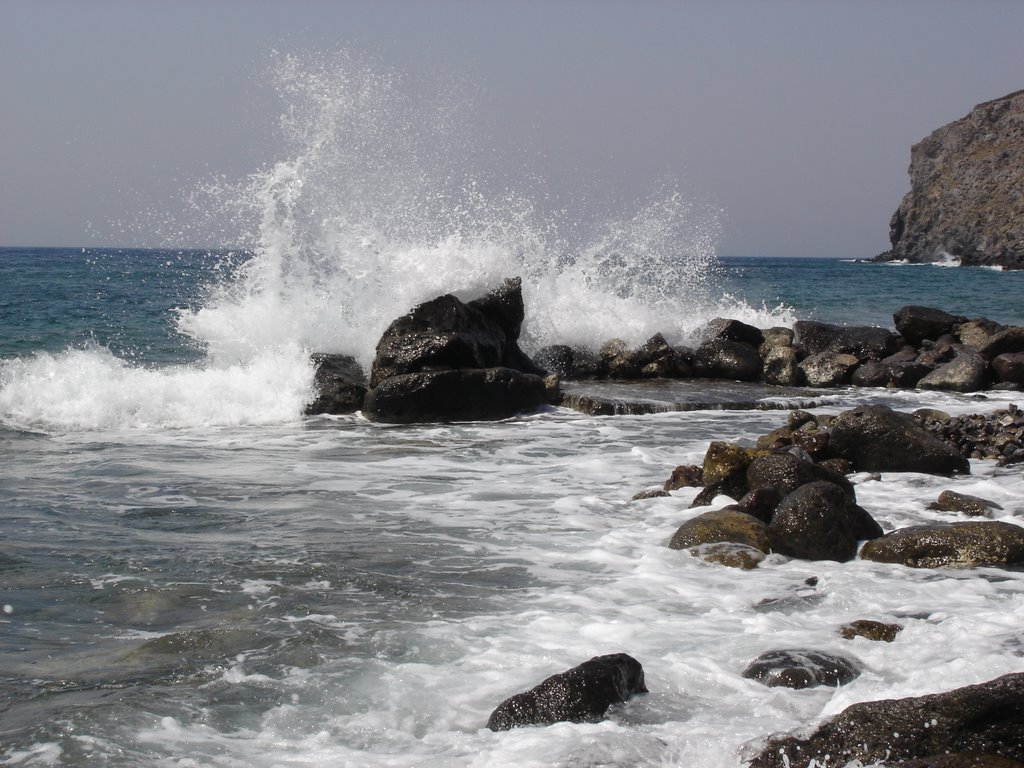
x=792, y=494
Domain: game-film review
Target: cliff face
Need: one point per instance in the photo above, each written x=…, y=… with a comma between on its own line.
x=966, y=196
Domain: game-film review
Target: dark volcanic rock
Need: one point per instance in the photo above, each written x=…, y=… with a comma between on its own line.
x=961, y=760
x=915, y=324
x=785, y=473
x=828, y=369
x=986, y=719
x=1005, y=340
x=444, y=333
x=800, y=668
x=339, y=383
x=819, y=521
x=863, y=341
x=721, y=525
x=1009, y=367
x=685, y=476
x=872, y=630
x=760, y=503
x=732, y=330
x=964, y=199
x=570, y=363
x=941, y=545
x=967, y=372
x=724, y=359
x=454, y=395
x=780, y=367
x=579, y=695
x=729, y=554
x=951, y=501
x=876, y=438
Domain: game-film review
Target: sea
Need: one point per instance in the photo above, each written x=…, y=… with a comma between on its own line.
x=193, y=573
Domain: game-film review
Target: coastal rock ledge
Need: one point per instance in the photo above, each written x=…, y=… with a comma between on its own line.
x=965, y=196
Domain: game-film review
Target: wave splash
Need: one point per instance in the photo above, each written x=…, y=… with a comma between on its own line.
x=374, y=208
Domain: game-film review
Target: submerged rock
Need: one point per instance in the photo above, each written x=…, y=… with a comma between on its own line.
x=722, y=525
x=872, y=630
x=951, y=501
x=582, y=694
x=941, y=545
x=984, y=719
x=801, y=668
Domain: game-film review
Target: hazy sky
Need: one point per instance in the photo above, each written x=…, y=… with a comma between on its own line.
x=795, y=118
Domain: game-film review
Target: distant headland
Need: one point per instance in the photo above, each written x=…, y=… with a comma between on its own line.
x=966, y=201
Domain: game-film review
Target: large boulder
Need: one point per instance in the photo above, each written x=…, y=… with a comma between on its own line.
x=454, y=395
x=339, y=385
x=964, y=199
x=780, y=366
x=819, y=521
x=732, y=330
x=875, y=438
x=786, y=472
x=967, y=372
x=828, y=369
x=725, y=359
x=721, y=525
x=579, y=695
x=985, y=719
x=1005, y=340
x=941, y=545
x=915, y=324
x=863, y=341
x=1009, y=367
x=801, y=668
x=570, y=363
x=445, y=333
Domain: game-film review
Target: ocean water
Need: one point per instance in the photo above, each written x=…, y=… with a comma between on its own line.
x=193, y=574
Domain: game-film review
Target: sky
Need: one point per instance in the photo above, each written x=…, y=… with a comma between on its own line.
x=793, y=119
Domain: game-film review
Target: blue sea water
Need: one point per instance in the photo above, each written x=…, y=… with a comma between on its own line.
x=194, y=574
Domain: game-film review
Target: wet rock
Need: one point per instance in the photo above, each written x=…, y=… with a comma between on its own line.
x=760, y=503
x=776, y=337
x=455, y=395
x=618, y=360
x=685, y=476
x=998, y=435
x=339, y=384
x=569, y=363
x=828, y=369
x=721, y=525
x=961, y=760
x=941, y=545
x=1009, y=367
x=733, y=485
x=724, y=359
x=656, y=359
x=872, y=630
x=801, y=668
x=906, y=375
x=729, y=554
x=864, y=342
x=875, y=438
x=873, y=373
x=780, y=367
x=985, y=719
x=723, y=459
x=582, y=694
x=797, y=419
x=649, y=493
x=967, y=372
x=813, y=442
x=1006, y=340
x=445, y=333
x=976, y=333
x=819, y=521
x=915, y=324
x=732, y=330
x=951, y=501
x=785, y=473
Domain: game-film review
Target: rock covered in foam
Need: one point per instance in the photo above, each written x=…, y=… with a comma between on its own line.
x=582, y=694
x=985, y=719
x=801, y=668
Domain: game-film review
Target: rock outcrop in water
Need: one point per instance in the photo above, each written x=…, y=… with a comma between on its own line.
x=985, y=719
x=579, y=695
x=965, y=196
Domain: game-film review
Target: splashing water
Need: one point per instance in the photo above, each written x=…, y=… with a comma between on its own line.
x=373, y=212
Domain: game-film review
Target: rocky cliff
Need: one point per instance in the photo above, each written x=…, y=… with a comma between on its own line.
x=966, y=196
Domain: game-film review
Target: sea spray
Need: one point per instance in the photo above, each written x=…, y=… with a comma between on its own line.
x=376, y=207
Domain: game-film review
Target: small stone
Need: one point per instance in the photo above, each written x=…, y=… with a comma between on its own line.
x=872, y=630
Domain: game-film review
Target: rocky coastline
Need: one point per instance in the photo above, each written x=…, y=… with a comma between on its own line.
x=792, y=494
x=965, y=199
